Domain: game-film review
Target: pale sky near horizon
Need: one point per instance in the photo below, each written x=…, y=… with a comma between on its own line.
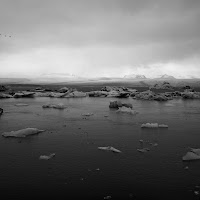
x=92, y=38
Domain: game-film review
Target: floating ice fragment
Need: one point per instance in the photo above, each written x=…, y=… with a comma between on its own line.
x=154, y=125
x=56, y=106
x=22, y=133
x=155, y=144
x=163, y=126
x=149, y=125
x=109, y=148
x=107, y=197
x=45, y=157
x=21, y=104
x=196, y=151
x=144, y=150
x=191, y=156
x=87, y=114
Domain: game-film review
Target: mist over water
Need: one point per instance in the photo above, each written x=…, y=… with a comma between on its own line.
x=79, y=169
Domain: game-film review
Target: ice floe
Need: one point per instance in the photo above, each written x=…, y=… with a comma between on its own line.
x=56, y=106
x=109, y=148
x=87, y=114
x=154, y=125
x=144, y=150
x=47, y=157
x=191, y=156
x=21, y=104
x=22, y=133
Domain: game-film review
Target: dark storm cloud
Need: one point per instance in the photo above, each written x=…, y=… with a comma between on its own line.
x=117, y=22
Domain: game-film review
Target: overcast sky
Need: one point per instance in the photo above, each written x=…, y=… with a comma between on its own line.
x=94, y=38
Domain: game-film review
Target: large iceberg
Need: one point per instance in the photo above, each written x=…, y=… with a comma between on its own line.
x=24, y=94
x=22, y=133
x=193, y=154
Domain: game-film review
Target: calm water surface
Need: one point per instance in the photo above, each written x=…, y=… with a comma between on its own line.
x=79, y=170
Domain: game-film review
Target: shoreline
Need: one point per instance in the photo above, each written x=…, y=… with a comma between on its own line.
x=57, y=91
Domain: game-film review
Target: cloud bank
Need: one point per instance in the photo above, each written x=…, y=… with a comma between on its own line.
x=100, y=38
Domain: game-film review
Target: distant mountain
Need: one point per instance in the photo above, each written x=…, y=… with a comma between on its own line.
x=165, y=76
x=57, y=75
x=135, y=76
x=56, y=78
x=14, y=80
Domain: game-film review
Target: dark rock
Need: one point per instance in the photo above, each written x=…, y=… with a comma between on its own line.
x=123, y=94
x=1, y=111
x=2, y=88
x=115, y=104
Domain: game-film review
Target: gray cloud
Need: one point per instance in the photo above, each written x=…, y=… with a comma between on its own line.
x=131, y=31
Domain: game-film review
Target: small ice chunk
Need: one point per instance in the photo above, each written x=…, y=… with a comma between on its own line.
x=22, y=133
x=87, y=114
x=154, y=125
x=191, y=156
x=21, y=104
x=144, y=150
x=109, y=148
x=149, y=125
x=155, y=144
x=56, y=106
x=45, y=157
x=163, y=126
x=107, y=197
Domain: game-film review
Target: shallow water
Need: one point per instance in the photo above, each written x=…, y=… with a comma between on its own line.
x=80, y=170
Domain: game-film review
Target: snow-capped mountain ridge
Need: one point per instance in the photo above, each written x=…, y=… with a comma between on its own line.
x=135, y=76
